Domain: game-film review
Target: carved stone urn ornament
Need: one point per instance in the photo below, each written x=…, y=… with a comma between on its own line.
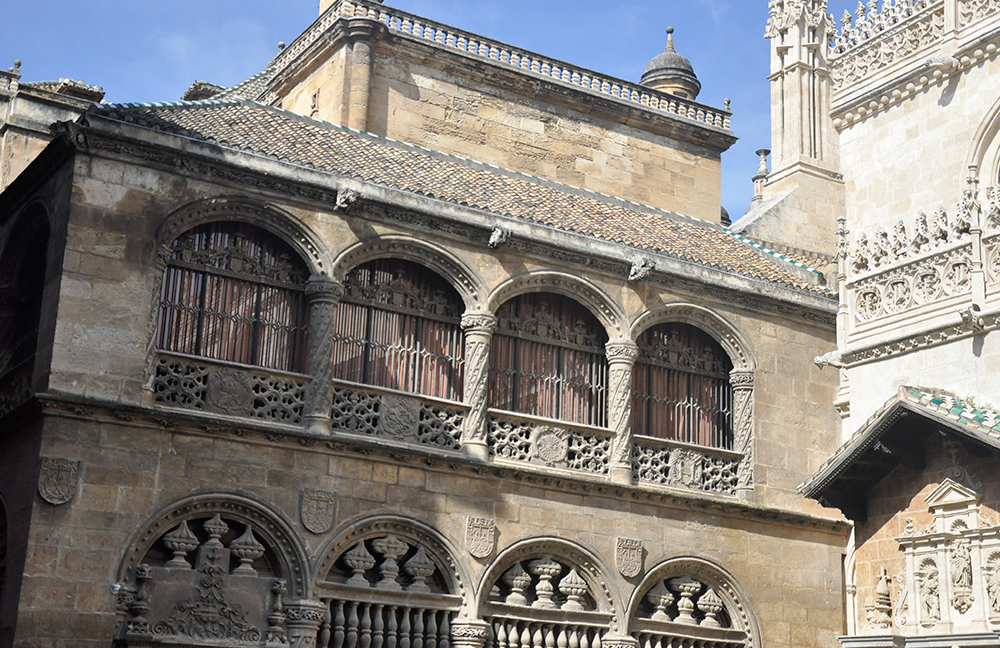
x=57, y=479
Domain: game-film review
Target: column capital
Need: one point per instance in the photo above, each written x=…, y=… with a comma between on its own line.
x=620, y=351
x=320, y=288
x=479, y=321
x=741, y=378
x=469, y=633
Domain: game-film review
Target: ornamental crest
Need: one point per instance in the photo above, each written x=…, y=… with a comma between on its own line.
x=400, y=417
x=57, y=479
x=230, y=392
x=628, y=557
x=317, y=509
x=480, y=536
x=549, y=446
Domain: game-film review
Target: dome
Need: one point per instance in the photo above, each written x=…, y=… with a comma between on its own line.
x=671, y=72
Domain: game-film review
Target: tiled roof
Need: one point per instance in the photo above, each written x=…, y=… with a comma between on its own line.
x=951, y=412
x=267, y=131
x=68, y=87
x=250, y=88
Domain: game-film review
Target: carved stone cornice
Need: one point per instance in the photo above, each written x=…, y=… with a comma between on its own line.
x=151, y=420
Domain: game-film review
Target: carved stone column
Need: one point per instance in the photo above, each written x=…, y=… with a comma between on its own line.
x=622, y=355
x=304, y=619
x=323, y=294
x=742, y=382
x=468, y=633
x=479, y=327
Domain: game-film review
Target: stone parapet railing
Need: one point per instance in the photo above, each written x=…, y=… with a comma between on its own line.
x=879, y=39
x=549, y=443
x=9, y=78
x=15, y=386
x=396, y=416
x=679, y=465
x=229, y=389
x=970, y=11
x=441, y=35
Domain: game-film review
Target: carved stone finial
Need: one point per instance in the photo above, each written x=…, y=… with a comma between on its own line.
x=360, y=561
x=518, y=580
x=687, y=587
x=392, y=548
x=180, y=541
x=247, y=549
x=574, y=588
x=711, y=605
x=420, y=567
x=545, y=569
x=281, y=46
x=216, y=528
x=763, y=153
x=498, y=237
x=660, y=598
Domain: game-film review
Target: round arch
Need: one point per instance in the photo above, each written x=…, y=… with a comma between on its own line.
x=454, y=271
x=607, y=312
x=590, y=566
x=733, y=596
x=246, y=210
x=268, y=524
x=364, y=527
x=722, y=331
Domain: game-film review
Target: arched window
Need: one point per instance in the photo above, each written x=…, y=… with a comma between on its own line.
x=22, y=282
x=548, y=359
x=399, y=326
x=234, y=292
x=680, y=387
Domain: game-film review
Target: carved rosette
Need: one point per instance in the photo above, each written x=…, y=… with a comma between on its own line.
x=621, y=360
x=479, y=327
x=323, y=294
x=743, y=442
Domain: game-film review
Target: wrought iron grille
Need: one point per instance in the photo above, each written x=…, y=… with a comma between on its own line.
x=680, y=387
x=399, y=326
x=233, y=292
x=548, y=359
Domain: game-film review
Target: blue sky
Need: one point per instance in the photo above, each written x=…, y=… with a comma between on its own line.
x=140, y=50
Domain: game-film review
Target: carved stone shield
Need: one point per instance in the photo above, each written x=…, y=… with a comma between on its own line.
x=230, y=392
x=57, y=479
x=317, y=509
x=481, y=536
x=628, y=557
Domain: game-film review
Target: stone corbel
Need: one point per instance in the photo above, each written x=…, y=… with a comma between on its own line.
x=972, y=318
x=640, y=269
x=346, y=198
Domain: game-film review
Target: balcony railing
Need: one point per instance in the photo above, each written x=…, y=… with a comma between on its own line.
x=447, y=37
x=656, y=461
x=396, y=416
x=550, y=443
x=229, y=389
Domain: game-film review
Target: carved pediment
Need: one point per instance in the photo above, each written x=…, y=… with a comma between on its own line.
x=951, y=495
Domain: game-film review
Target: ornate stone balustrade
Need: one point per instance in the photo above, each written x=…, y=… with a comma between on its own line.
x=229, y=389
x=396, y=416
x=15, y=386
x=972, y=10
x=549, y=443
x=503, y=54
x=880, y=38
x=656, y=461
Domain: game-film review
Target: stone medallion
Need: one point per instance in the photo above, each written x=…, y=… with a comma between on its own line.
x=550, y=446
x=897, y=296
x=317, y=509
x=869, y=304
x=57, y=479
x=400, y=417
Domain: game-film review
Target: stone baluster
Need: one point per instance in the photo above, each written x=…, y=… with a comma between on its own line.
x=479, y=327
x=303, y=619
x=323, y=294
x=621, y=358
x=743, y=437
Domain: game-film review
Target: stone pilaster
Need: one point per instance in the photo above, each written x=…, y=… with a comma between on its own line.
x=479, y=327
x=743, y=437
x=621, y=358
x=323, y=294
x=360, y=33
x=468, y=633
x=303, y=619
